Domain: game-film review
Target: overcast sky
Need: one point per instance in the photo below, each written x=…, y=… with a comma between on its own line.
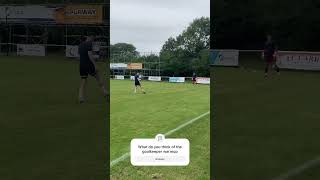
x=147, y=24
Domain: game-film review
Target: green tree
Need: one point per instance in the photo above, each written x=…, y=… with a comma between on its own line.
x=120, y=48
x=183, y=55
x=123, y=52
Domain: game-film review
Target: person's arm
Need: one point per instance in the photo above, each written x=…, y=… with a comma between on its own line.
x=91, y=57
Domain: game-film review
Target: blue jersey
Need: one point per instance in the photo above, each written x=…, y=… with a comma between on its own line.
x=136, y=78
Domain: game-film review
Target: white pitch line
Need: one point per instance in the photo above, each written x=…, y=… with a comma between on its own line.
x=119, y=159
x=126, y=155
x=295, y=171
x=186, y=124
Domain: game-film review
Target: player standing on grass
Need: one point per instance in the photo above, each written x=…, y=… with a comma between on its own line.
x=88, y=67
x=137, y=83
x=194, y=78
x=269, y=54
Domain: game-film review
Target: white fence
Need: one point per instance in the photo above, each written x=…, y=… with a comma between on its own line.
x=299, y=60
x=199, y=80
x=69, y=51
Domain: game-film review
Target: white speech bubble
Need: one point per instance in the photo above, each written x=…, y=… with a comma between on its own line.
x=160, y=151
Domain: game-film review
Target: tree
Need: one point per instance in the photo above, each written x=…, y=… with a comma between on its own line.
x=123, y=52
x=121, y=48
x=184, y=54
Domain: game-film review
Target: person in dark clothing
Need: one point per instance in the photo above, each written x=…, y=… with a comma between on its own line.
x=137, y=83
x=88, y=67
x=269, y=54
x=194, y=78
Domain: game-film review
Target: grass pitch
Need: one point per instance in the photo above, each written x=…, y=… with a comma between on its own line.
x=265, y=127
x=44, y=133
x=163, y=108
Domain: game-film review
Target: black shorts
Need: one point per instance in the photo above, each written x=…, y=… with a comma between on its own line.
x=270, y=59
x=87, y=69
x=137, y=83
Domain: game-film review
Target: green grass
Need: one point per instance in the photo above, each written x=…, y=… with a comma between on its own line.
x=164, y=107
x=265, y=127
x=44, y=133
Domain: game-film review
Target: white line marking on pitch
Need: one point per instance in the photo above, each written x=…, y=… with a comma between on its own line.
x=295, y=171
x=126, y=155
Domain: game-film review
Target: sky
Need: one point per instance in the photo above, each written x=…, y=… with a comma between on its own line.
x=147, y=24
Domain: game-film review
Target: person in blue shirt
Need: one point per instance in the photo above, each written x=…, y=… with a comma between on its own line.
x=137, y=83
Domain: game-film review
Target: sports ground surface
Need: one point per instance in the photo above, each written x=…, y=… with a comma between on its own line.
x=44, y=133
x=166, y=106
x=266, y=129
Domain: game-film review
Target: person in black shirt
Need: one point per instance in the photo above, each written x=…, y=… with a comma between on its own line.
x=194, y=78
x=137, y=83
x=88, y=67
x=269, y=54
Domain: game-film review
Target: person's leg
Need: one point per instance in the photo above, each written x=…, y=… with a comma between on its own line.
x=82, y=90
x=83, y=82
x=276, y=68
x=101, y=83
x=269, y=64
x=135, y=88
x=266, y=70
x=143, y=91
x=96, y=74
